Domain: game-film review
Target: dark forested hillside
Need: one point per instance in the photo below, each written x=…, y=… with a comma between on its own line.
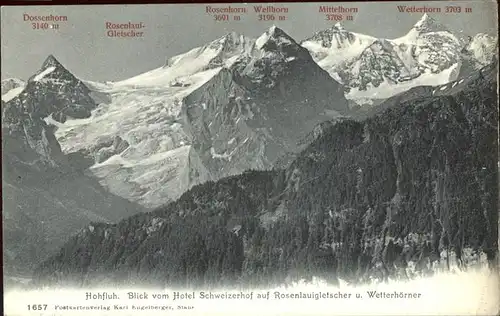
x=392, y=195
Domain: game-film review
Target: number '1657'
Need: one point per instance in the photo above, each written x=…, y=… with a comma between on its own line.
x=37, y=307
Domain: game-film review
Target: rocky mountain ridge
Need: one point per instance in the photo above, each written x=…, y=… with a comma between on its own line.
x=258, y=108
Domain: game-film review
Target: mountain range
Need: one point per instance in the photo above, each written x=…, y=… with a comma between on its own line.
x=79, y=151
x=408, y=192
x=172, y=137
x=378, y=68
x=215, y=111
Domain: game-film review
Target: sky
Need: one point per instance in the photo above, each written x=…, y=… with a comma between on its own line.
x=82, y=45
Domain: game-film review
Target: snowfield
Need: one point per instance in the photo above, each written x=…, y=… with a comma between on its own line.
x=44, y=73
x=145, y=112
x=11, y=94
x=147, y=118
x=387, y=89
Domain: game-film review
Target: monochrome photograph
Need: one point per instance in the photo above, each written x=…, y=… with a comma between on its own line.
x=242, y=146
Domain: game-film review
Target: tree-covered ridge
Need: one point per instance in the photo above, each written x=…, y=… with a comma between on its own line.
x=386, y=197
x=415, y=181
x=203, y=228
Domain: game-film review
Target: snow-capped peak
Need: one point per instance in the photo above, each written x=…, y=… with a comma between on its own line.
x=338, y=38
x=276, y=43
x=197, y=65
x=51, y=61
x=424, y=30
x=423, y=20
x=53, y=71
x=55, y=90
x=233, y=38
x=262, y=40
x=274, y=36
x=427, y=24
x=230, y=42
x=338, y=26
x=333, y=47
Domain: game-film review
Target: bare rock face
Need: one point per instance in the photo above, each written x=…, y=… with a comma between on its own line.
x=249, y=114
x=104, y=150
